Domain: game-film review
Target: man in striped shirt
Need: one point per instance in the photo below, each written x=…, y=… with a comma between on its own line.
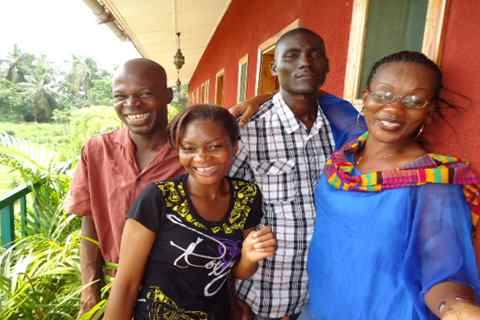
x=283, y=149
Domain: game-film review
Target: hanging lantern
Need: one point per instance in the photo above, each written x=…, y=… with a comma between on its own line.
x=178, y=61
x=179, y=58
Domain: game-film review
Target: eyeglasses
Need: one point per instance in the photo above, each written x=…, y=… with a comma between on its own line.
x=387, y=97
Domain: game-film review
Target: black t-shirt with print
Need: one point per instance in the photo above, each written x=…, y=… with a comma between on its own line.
x=191, y=258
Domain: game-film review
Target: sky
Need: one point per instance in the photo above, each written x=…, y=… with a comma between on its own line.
x=58, y=29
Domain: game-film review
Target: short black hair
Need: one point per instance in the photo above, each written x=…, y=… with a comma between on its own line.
x=413, y=57
x=301, y=30
x=217, y=114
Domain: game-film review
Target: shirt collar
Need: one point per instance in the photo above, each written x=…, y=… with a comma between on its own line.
x=124, y=140
x=287, y=117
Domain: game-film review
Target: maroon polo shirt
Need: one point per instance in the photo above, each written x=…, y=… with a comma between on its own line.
x=108, y=180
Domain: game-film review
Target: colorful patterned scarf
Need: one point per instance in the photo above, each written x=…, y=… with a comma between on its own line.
x=431, y=168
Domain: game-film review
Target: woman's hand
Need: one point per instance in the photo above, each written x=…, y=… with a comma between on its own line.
x=259, y=244
x=462, y=310
x=451, y=300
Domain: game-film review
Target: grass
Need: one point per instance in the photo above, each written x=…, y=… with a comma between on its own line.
x=49, y=134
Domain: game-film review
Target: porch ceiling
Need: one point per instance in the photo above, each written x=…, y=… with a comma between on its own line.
x=150, y=25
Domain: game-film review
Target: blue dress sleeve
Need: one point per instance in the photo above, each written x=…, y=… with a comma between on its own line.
x=442, y=247
x=344, y=119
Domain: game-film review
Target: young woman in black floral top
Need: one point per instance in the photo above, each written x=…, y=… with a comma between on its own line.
x=185, y=236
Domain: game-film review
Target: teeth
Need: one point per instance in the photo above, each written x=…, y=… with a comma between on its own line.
x=206, y=170
x=389, y=124
x=140, y=116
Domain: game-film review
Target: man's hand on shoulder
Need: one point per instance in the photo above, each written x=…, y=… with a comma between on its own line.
x=245, y=110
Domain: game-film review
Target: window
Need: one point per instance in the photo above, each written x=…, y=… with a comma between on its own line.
x=202, y=93
x=219, y=79
x=381, y=27
x=193, y=99
x=242, y=78
x=206, y=92
x=267, y=83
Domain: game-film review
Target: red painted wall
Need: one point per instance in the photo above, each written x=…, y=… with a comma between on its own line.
x=461, y=67
x=247, y=24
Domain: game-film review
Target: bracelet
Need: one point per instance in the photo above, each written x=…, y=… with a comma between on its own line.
x=442, y=305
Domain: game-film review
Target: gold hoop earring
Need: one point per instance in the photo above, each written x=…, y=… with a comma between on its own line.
x=420, y=132
x=359, y=114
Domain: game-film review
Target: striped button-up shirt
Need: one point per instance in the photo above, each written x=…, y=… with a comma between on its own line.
x=285, y=159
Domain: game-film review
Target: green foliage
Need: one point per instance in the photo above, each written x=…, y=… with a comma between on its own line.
x=53, y=136
x=42, y=169
x=31, y=87
x=48, y=283
x=87, y=122
x=72, y=128
x=85, y=84
x=179, y=101
x=101, y=92
x=13, y=100
x=173, y=110
x=17, y=65
x=39, y=274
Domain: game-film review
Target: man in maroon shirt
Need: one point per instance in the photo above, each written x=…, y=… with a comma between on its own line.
x=115, y=167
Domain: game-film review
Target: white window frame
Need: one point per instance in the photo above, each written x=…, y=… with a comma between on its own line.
x=206, y=96
x=220, y=73
x=243, y=60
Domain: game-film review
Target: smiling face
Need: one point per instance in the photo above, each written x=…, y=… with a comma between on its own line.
x=206, y=152
x=140, y=97
x=300, y=64
x=393, y=122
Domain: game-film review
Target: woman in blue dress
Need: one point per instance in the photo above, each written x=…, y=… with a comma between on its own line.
x=393, y=235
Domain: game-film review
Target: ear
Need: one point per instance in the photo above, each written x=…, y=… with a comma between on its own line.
x=274, y=69
x=364, y=99
x=364, y=95
x=168, y=95
x=236, y=148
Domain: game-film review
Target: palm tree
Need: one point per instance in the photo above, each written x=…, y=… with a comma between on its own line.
x=80, y=79
x=39, y=87
x=19, y=65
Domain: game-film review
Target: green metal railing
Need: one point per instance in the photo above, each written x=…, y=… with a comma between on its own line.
x=7, y=213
